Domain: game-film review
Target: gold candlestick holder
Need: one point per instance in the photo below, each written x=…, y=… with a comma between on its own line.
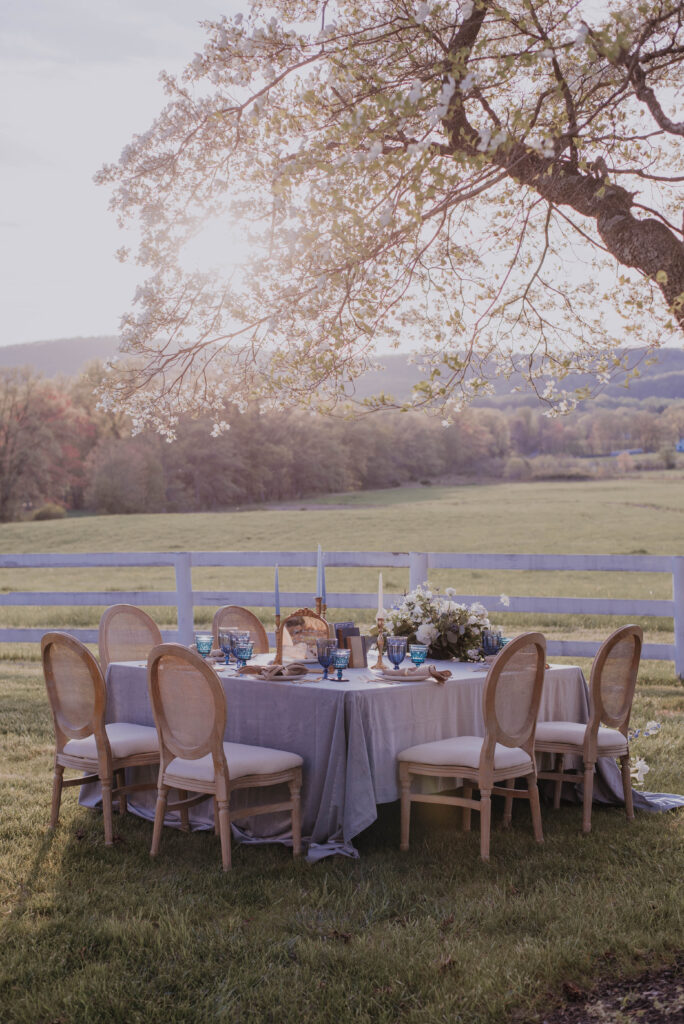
x=319, y=606
x=381, y=645
x=278, y=660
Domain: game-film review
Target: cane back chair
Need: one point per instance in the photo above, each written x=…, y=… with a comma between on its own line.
x=611, y=691
x=126, y=633
x=189, y=707
x=77, y=694
x=232, y=616
x=510, y=704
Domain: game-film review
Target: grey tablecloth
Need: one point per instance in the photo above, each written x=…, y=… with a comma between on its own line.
x=348, y=734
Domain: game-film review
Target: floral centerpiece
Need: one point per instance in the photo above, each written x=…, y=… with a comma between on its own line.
x=450, y=629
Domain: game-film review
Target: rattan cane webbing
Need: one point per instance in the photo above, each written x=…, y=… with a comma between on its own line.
x=615, y=685
x=127, y=634
x=74, y=692
x=188, y=704
x=515, y=691
x=233, y=616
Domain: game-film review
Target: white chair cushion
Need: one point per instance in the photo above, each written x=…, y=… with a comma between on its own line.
x=464, y=752
x=572, y=734
x=125, y=739
x=242, y=760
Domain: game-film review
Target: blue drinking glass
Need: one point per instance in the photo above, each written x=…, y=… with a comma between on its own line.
x=226, y=643
x=238, y=636
x=243, y=652
x=325, y=651
x=204, y=642
x=341, y=661
x=418, y=653
x=395, y=648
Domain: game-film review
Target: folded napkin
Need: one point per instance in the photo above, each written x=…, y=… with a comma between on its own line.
x=412, y=673
x=295, y=670
x=440, y=677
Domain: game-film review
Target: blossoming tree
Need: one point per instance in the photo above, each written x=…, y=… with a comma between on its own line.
x=496, y=182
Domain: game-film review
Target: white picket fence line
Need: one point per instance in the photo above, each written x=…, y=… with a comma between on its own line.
x=185, y=599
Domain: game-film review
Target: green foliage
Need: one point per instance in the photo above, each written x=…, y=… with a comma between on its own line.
x=49, y=511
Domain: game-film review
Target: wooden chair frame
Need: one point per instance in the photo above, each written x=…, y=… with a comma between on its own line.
x=243, y=619
x=485, y=777
x=280, y=633
x=104, y=631
x=598, y=714
x=222, y=786
x=105, y=768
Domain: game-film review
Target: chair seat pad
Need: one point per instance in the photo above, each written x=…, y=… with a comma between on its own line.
x=610, y=741
x=125, y=738
x=464, y=752
x=242, y=760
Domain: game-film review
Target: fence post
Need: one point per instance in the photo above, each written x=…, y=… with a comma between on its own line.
x=678, y=599
x=418, y=569
x=184, y=603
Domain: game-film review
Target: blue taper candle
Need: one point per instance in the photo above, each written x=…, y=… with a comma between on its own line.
x=277, y=593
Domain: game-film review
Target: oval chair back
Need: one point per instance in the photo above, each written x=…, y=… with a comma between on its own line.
x=188, y=704
x=233, y=616
x=126, y=633
x=512, y=693
x=75, y=688
x=613, y=679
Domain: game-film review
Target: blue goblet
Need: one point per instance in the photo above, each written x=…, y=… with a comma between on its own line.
x=204, y=643
x=341, y=661
x=325, y=652
x=243, y=652
x=238, y=636
x=418, y=653
x=226, y=643
x=395, y=647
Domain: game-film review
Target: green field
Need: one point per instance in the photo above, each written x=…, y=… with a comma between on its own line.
x=643, y=515
x=95, y=934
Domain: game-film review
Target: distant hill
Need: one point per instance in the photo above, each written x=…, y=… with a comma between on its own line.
x=66, y=356
x=664, y=379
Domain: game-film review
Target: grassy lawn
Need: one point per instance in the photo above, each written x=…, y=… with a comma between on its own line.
x=95, y=934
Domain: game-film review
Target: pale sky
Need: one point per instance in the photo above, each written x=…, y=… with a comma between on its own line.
x=77, y=80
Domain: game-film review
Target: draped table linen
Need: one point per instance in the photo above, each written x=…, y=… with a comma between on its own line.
x=348, y=733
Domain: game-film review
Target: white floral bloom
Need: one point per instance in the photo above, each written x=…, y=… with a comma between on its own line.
x=504, y=600
x=651, y=728
x=450, y=592
x=426, y=633
x=638, y=769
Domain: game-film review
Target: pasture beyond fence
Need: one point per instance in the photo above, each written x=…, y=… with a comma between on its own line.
x=185, y=599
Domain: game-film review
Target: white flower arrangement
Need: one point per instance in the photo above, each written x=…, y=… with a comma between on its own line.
x=450, y=629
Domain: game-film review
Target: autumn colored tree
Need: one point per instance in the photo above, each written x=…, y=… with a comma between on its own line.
x=496, y=181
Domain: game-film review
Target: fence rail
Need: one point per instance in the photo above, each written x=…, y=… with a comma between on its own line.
x=419, y=564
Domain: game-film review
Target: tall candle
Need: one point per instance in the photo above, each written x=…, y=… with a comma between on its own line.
x=277, y=593
x=323, y=594
x=381, y=610
x=319, y=574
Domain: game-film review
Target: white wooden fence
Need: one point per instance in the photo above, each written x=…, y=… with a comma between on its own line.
x=184, y=598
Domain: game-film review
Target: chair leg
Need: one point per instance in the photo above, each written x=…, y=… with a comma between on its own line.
x=216, y=821
x=485, y=822
x=296, y=797
x=185, y=820
x=627, y=786
x=588, y=797
x=535, y=809
x=159, y=812
x=107, y=811
x=465, y=816
x=508, y=805
x=56, y=794
x=405, y=793
x=121, y=781
x=558, y=784
x=224, y=831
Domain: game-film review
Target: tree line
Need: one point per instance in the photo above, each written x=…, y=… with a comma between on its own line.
x=58, y=447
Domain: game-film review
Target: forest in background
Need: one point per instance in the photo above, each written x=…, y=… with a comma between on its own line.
x=57, y=449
